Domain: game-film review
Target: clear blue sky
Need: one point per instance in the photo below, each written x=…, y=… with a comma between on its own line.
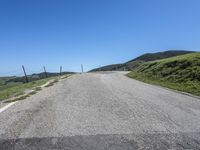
x=93, y=32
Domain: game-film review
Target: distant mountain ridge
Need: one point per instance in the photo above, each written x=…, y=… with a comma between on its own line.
x=134, y=63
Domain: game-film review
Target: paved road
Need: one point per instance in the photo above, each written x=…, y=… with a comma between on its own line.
x=102, y=111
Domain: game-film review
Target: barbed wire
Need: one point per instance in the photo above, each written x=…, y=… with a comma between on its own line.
x=19, y=72
x=30, y=71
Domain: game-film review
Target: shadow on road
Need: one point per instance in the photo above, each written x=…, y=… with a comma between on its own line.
x=106, y=142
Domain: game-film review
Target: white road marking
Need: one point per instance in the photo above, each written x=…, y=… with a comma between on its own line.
x=7, y=106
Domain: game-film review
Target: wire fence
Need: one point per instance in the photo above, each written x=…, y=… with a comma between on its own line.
x=26, y=75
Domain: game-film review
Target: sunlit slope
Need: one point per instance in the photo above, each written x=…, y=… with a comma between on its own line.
x=180, y=73
x=134, y=63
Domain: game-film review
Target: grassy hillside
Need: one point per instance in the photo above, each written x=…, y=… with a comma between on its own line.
x=180, y=73
x=133, y=64
x=19, y=88
x=8, y=91
x=161, y=55
x=3, y=80
x=107, y=68
x=12, y=86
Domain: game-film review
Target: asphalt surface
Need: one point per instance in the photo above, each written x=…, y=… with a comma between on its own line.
x=102, y=111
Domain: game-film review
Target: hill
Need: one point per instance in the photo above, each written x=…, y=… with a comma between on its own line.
x=133, y=64
x=179, y=73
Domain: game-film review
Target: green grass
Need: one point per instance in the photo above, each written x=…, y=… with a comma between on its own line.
x=180, y=73
x=15, y=89
x=3, y=81
x=19, y=98
x=52, y=83
x=134, y=63
x=37, y=88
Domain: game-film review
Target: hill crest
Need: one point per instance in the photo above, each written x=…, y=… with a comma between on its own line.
x=136, y=62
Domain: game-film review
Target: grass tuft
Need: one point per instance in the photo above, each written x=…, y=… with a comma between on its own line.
x=52, y=83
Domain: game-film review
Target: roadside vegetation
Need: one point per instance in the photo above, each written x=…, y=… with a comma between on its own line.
x=134, y=63
x=179, y=73
x=18, y=89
